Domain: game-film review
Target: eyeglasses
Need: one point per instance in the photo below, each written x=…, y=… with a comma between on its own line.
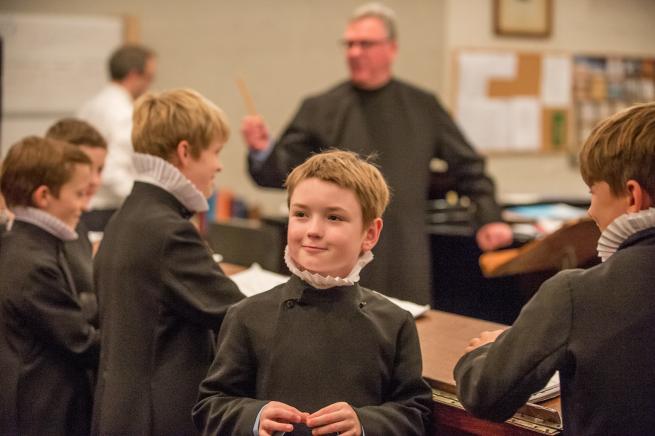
x=364, y=44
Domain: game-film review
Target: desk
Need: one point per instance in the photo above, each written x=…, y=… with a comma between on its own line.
x=443, y=337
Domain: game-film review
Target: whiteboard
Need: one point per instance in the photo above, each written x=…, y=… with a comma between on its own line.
x=52, y=64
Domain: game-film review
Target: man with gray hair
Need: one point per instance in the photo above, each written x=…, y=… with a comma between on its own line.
x=405, y=127
x=132, y=69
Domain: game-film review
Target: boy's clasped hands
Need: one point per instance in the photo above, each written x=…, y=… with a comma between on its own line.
x=338, y=417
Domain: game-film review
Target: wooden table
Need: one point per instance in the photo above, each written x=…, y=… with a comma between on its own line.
x=443, y=337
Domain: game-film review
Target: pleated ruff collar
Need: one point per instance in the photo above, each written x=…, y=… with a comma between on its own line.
x=157, y=171
x=45, y=221
x=324, y=282
x=621, y=229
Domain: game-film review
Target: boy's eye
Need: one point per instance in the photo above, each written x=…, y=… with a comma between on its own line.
x=335, y=218
x=299, y=214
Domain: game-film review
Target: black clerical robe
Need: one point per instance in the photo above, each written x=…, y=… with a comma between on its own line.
x=46, y=344
x=161, y=297
x=596, y=327
x=79, y=254
x=310, y=348
x=405, y=127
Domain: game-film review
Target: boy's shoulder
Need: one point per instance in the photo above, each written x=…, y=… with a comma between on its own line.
x=377, y=303
x=264, y=300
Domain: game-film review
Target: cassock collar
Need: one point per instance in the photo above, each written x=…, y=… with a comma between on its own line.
x=324, y=282
x=619, y=233
x=299, y=292
x=157, y=171
x=45, y=221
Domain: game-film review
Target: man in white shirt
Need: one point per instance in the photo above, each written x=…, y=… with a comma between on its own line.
x=132, y=69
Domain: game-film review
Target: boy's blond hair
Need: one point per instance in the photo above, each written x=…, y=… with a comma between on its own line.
x=621, y=148
x=163, y=120
x=347, y=170
x=35, y=161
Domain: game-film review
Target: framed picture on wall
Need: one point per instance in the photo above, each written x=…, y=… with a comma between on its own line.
x=531, y=18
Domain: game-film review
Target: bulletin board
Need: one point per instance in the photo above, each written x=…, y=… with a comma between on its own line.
x=509, y=101
x=51, y=64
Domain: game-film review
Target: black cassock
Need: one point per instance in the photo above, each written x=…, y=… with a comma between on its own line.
x=405, y=127
x=310, y=348
x=161, y=297
x=46, y=344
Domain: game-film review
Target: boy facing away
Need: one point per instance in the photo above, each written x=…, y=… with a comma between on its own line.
x=46, y=344
x=594, y=326
x=161, y=296
x=320, y=352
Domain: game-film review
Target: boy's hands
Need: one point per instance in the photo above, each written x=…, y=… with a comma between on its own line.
x=278, y=416
x=338, y=417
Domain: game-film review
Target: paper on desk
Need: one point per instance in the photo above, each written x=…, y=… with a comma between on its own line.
x=256, y=280
x=415, y=309
x=551, y=390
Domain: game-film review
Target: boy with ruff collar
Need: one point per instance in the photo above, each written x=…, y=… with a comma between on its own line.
x=320, y=353
x=594, y=326
x=46, y=344
x=161, y=296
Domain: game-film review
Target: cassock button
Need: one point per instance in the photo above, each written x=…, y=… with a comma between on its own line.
x=290, y=304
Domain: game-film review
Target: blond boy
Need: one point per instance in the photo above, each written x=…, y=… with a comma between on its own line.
x=320, y=352
x=160, y=294
x=46, y=344
x=594, y=326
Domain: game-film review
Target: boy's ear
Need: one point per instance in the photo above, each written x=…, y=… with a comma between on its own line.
x=372, y=234
x=638, y=197
x=183, y=153
x=41, y=197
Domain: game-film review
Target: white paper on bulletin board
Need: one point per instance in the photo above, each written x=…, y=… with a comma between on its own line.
x=526, y=87
x=51, y=65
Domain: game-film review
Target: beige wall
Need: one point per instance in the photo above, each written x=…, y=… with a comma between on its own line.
x=579, y=26
x=286, y=49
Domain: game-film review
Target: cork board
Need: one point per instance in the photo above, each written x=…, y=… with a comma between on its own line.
x=511, y=101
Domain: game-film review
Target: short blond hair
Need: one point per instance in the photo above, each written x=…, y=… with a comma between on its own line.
x=621, y=148
x=35, y=161
x=347, y=170
x=162, y=120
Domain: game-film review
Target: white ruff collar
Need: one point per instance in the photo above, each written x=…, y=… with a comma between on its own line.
x=45, y=221
x=621, y=229
x=157, y=171
x=321, y=282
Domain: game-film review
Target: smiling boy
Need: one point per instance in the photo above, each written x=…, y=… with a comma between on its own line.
x=46, y=344
x=320, y=352
x=594, y=326
x=161, y=296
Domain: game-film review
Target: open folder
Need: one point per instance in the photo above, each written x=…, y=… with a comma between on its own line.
x=572, y=245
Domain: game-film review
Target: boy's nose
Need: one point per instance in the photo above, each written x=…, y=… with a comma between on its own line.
x=315, y=228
